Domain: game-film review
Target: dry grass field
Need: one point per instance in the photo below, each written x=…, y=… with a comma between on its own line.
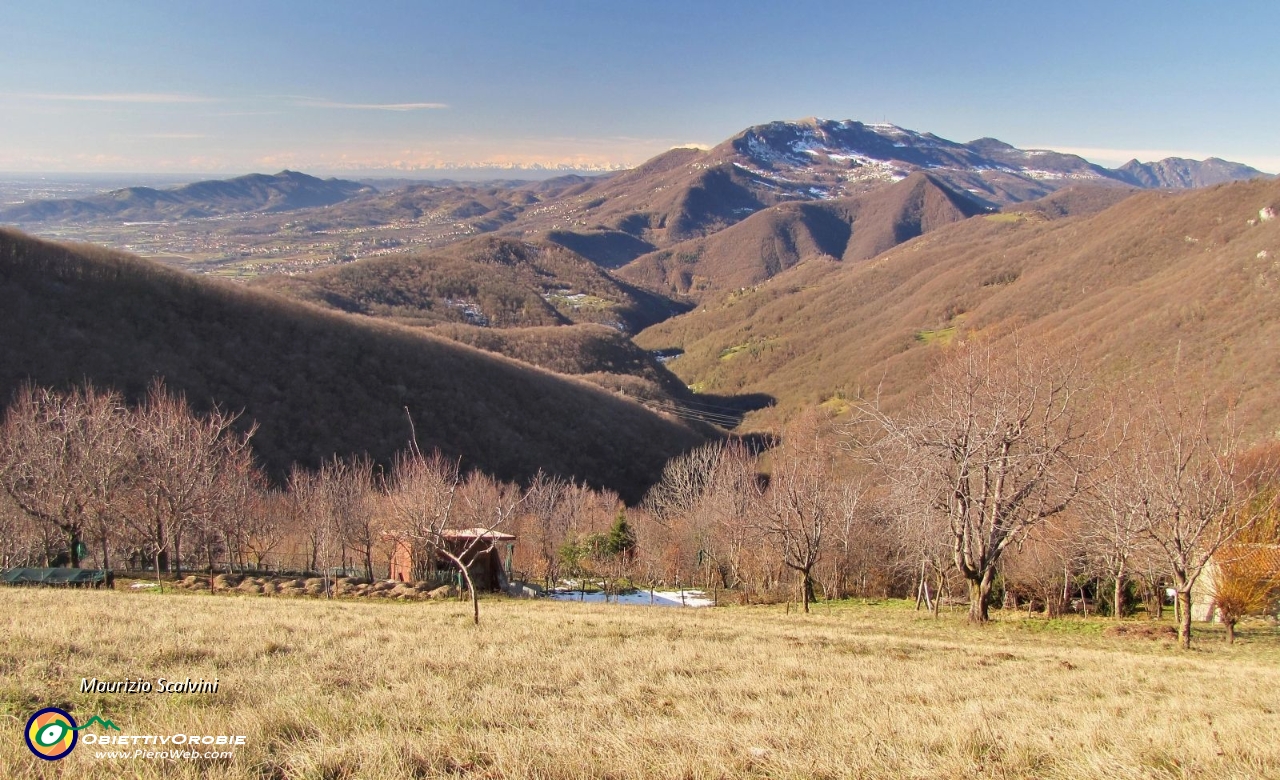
x=351, y=689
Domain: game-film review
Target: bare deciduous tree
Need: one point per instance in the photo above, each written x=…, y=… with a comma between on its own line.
x=426, y=499
x=19, y=536
x=1185, y=485
x=685, y=480
x=487, y=505
x=997, y=446
x=265, y=525
x=862, y=553
x=706, y=497
x=64, y=461
x=350, y=488
x=1115, y=539
x=183, y=460
x=1046, y=565
x=420, y=500
x=546, y=524
x=800, y=502
x=924, y=550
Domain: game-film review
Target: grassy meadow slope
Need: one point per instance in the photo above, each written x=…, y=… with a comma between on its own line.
x=318, y=382
x=554, y=690
x=1156, y=278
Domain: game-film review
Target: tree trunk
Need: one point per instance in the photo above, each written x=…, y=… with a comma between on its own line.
x=1117, y=604
x=806, y=588
x=471, y=587
x=921, y=588
x=1231, y=631
x=979, y=595
x=1184, y=618
x=475, y=600
x=176, y=561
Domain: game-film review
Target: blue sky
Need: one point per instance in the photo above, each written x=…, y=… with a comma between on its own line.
x=234, y=86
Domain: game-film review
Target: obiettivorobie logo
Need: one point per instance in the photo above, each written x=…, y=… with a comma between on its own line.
x=51, y=733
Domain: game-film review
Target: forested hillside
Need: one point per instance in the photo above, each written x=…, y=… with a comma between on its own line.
x=318, y=383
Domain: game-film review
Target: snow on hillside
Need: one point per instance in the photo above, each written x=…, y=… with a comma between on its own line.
x=856, y=152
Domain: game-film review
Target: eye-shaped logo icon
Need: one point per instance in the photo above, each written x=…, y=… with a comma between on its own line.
x=51, y=733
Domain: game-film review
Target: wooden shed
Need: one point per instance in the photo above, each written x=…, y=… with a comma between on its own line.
x=485, y=553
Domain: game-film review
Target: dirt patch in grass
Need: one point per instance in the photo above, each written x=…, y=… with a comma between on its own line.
x=1155, y=631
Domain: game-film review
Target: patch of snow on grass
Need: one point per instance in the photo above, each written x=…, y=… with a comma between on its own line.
x=661, y=598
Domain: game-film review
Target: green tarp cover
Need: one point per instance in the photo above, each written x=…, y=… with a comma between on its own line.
x=52, y=576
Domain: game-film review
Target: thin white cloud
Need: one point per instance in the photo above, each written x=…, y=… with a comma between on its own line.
x=307, y=102
x=119, y=97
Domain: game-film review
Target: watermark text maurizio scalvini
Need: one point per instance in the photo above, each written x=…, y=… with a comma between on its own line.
x=139, y=685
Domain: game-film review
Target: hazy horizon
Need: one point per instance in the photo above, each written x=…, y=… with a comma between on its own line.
x=480, y=172
x=423, y=86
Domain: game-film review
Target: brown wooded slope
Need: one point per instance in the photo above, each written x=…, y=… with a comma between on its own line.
x=773, y=240
x=599, y=354
x=494, y=280
x=1156, y=278
x=318, y=382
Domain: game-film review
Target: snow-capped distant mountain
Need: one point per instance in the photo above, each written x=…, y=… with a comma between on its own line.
x=837, y=158
x=687, y=193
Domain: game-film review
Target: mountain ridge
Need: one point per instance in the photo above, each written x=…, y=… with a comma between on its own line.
x=689, y=193
x=253, y=193
x=1181, y=173
x=770, y=241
